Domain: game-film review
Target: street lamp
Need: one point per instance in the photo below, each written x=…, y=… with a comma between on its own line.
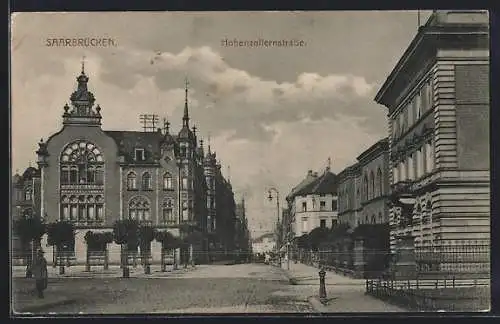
x=270, y=197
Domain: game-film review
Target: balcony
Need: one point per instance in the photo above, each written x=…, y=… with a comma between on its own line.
x=82, y=187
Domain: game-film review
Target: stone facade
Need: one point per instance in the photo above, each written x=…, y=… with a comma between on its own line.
x=438, y=102
x=364, y=188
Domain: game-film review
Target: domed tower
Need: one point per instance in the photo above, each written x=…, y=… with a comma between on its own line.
x=82, y=101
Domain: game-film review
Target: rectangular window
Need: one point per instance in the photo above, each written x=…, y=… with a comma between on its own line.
x=429, y=157
x=167, y=182
x=304, y=224
x=90, y=212
x=420, y=163
x=185, y=183
x=168, y=216
x=64, y=175
x=334, y=223
x=334, y=204
x=322, y=205
x=82, y=215
x=402, y=122
x=410, y=108
x=99, y=176
x=418, y=104
x=73, y=175
x=74, y=212
x=430, y=95
x=322, y=223
x=65, y=212
x=410, y=168
x=139, y=154
x=304, y=206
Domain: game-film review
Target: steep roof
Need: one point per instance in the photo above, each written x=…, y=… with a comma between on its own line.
x=324, y=184
x=128, y=141
x=309, y=179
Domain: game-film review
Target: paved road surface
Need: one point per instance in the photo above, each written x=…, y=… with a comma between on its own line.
x=208, y=289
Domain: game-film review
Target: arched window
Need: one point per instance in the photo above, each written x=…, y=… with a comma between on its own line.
x=167, y=181
x=81, y=162
x=146, y=181
x=28, y=194
x=168, y=213
x=380, y=182
x=380, y=218
x=365, y=187
x=374, y=220
x=372, y=185
x=139, y=209
x=131, y=181
x=82, y=209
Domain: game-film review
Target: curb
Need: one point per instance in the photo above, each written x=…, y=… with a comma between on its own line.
x=38, y=308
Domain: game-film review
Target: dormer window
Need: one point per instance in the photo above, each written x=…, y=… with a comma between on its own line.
x=139, y=154
x=28, y=194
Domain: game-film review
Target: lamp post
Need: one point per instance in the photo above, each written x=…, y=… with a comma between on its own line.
x=270, y=197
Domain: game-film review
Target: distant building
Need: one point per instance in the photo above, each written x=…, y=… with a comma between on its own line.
x=263, y=244
x=363, y=188
x=437, y=98
x=313, y=203
x=25, y=202
x=242, y=233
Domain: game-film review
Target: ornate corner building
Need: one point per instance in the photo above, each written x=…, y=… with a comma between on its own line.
x=437, y=98
x=92, y=177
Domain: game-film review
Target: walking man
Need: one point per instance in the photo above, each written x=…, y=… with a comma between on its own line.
x=40, y=273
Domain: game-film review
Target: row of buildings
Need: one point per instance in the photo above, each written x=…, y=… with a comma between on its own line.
x=429, y=179
x=93, y=177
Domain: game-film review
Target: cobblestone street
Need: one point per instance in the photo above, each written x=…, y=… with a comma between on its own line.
x=206, y=289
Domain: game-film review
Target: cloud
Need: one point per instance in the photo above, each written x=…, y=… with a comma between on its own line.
x=237, y=100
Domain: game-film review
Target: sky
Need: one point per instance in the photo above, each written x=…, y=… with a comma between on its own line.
x=271, y=113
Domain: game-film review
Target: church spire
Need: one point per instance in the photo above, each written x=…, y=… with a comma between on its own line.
x=185, y=118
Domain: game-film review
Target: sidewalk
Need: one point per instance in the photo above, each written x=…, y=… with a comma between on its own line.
x=344, y=294
x=114, y=271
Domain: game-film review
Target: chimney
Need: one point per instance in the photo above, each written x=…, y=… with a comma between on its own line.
x=310, y=172
x=315, y=174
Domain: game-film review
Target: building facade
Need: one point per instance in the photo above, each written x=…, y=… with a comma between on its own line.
x=313, y=203
x=437, y=98
x=25, y=203
x=92, y=177
x=364, y=188
x=242, y=233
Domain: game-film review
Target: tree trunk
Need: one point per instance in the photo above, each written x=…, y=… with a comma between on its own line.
x=29, y=261
x=162, y=255
x=146, y=252
x=126, y=272
x=175, y=259
x=106, y=259
x=60, y=256
x=87, y=263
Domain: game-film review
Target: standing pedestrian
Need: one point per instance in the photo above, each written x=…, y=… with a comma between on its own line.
x=40, y=273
